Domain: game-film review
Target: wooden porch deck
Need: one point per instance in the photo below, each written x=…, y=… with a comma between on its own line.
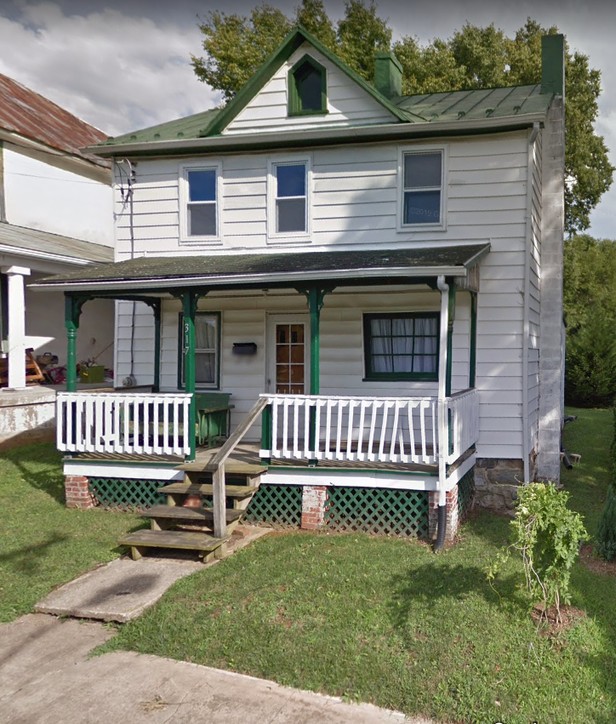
x=246, y=457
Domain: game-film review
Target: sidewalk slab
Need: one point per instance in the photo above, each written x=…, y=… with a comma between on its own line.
x=118, y=591
x=123, y=589
x=46, y=677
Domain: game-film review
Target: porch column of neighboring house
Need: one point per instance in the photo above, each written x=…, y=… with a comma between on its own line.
x=16, y=325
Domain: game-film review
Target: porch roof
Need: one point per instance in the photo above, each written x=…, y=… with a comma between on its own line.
x=290, y=269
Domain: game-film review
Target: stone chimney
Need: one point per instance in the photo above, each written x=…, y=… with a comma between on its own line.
x=553, y=64
x=388, y=75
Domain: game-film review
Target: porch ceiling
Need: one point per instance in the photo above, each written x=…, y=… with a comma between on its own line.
x=290, y=269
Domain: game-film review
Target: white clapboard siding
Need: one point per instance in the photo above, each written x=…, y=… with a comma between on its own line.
x=353, y=197
x=134, y=346
x=347, y=103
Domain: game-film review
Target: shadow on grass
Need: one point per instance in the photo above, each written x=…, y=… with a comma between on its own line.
x=28, y=559
x=40, y=466
x=429, y=583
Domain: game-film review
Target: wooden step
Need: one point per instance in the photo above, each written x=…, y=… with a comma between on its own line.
x=231, y=491
x=179, y=513
x=206, y=545
x=232, y=467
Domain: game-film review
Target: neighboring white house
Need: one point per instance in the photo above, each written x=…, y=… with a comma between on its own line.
x=383, y=272
x=55, y=215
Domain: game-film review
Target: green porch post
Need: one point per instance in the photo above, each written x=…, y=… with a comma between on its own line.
x=316, y=298
x=72, y=311
x=314, y=305
x=451, y=301
x=189, y=308
x=156, y=310
x=472, y=363
x=266, y=433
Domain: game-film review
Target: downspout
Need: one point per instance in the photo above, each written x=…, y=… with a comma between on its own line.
x=443, y=444
x=526, y=313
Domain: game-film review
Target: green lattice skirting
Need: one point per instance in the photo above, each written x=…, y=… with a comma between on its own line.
x=378, y=510
x=276, y=505
x=126, y=493
x=466, y=494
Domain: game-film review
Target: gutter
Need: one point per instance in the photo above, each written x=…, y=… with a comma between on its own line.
x=526, y=318
x=442, y=415
x=323, y=136
x=219, y=281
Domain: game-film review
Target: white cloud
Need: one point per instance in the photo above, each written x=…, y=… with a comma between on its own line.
x=115, y=71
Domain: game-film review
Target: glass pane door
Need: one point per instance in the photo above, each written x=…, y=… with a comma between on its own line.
x=290, y=359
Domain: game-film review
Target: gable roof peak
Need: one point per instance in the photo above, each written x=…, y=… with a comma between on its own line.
x=294, y=39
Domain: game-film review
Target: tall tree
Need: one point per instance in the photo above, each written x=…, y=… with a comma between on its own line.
x=473, y=57
x=590, y=315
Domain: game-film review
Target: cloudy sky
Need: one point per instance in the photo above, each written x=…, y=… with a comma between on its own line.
x=125, y=64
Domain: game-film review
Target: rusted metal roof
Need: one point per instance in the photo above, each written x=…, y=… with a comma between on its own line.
x=24, y=112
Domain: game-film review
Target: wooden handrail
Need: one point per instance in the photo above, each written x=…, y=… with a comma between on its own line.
x=229, y=446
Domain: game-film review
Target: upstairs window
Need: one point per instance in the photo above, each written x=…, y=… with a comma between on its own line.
x=290, y=197
x=199, y=199
x=307, y=88
x=401, y=346
x=422, y=193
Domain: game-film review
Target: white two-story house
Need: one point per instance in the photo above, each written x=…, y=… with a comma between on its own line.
x=368, y=284
x=55, y=216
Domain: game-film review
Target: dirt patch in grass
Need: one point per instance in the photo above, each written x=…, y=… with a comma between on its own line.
x=550, y=623
x=596, y=564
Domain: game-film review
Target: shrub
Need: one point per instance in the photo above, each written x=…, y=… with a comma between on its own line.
x=547, y=536
x=606, y=534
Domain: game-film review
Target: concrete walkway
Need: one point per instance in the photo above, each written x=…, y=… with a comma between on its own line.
x=124, y=589
x=46, y=677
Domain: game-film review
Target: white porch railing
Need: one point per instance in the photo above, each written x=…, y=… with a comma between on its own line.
x=142, y=423
x=370, y=429
x=463, y=423
x=364, y=429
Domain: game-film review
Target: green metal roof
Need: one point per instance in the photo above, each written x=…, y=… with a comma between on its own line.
x=476, y=104
x=416, y=111
x=289, y=268
x=451, y=107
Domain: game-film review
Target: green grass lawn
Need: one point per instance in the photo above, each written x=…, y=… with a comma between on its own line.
x=42, y=543
x=389, y=622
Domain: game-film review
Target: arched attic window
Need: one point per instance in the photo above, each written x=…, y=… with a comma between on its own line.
x=307, y=88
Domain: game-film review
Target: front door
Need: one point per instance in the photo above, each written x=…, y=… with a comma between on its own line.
x=288, y=354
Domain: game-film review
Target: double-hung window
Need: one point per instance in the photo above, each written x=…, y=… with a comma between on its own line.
x=401, y=346
x=207, y=349
x=422, y=188
x=289, y=194
x=199, y=199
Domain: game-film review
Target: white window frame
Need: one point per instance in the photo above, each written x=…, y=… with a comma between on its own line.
x=286, y=237
x=418, y=150
x=184, y=199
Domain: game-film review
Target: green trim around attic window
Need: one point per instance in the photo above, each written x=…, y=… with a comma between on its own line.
x=300, y=102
